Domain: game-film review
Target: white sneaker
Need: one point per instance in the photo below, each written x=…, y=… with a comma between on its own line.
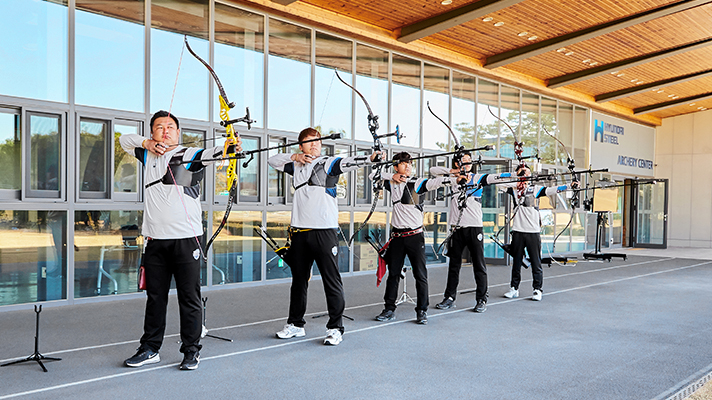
x=291, y=331
x=512, y=293
x=536, y=296
x=333, y=337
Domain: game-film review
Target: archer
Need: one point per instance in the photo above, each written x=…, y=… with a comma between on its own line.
x=171, y=220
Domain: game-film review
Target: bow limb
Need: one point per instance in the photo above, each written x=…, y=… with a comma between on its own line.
x=458, y=147
x=518, y=145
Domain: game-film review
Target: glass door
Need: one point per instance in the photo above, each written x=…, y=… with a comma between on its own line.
x=649, y=216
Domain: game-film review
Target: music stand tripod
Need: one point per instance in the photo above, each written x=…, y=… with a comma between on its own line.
x=205, y=329
x=36, y=356
x=405, y=297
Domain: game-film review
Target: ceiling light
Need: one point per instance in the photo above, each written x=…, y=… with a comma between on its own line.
x=588, y=60
x=488, y=19
x=634, y=80
x=671, y=95
x=614, y=72
x=446, y=2
x=660, y=91
x=675, y=97
x=692, y=104
x=699, y=108
x=522, y=34
x=639, y=82
x=500, y=23
x=593, y=63
x=561, y=50
x=619, y=75
x=703, y=108
x=533, y=37
x=569, y=53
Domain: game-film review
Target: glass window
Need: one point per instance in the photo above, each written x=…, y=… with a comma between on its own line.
x=93, y=156
x=194, y=138
x=179, y=82
x=45, y=158
x=332, y=99
x=277, y=185
x=581, y=136
x=109, y=43
x=435, y=224
x=344, y=236
x=238, y=250
x=365, y=256
x=436, y=89
x=342, y=186
x=405, y=99
x=464, y=92
x=372, y=82
x=250, y=175
x=530, y=124
x=33, y=256
x=277, y=225
x=509, y=112
x=239, y=60
x=487, y=109
x=565, y=132
x=107, y=252
x=289, y=75
x=126, y=166
x=10, y=150
x=363, y=184
x=578, y=233
x=547, y=144
x=34, y=49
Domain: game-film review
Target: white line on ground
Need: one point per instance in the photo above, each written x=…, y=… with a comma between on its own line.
x=291, y=343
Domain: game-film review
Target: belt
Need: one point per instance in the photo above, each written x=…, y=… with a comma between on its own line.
x=407, y=233
x=298, y=230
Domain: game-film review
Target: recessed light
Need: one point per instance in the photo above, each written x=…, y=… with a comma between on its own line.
x=533, y=37
x=639, y=82
x=614, y=72
x=586, y=61
x=699, y=108
x=634, y=80
x=500, y=23
x=593, y=63
x=620, y=75
x=522, y=34
x=660, y=91
x=561, y=49
x=671, y=95
x=569, y=53
x=703, y=108
x=446, y=2
x=675, y=97
x=692, y=104
x=488, y=19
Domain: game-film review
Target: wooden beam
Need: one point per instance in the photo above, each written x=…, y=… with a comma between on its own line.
x=284, y=2
x=672, y=103
x=535, y=49
x=590, y=73
x=452, y=18
x=619, y=94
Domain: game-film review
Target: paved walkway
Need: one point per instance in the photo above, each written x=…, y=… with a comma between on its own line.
x=635, y=329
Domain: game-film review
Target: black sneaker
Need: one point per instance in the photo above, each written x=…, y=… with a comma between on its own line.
x=143, y=357
x=421, y=317
x=445, y=304
x=386, y=315
x=190, y=361
x=481, y=306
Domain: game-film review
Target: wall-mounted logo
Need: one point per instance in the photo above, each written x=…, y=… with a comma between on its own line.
x=605, y=133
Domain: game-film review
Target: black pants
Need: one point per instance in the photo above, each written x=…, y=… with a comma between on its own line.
x=532, y=242
x=414, y=248
x=470, y=237
x=322, y=246
x=179, y=258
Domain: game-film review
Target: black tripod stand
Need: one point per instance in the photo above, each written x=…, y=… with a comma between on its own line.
x=205, y=329
x=597, y=254
x=36, y=356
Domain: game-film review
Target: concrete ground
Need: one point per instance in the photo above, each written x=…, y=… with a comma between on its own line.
x=635, y=329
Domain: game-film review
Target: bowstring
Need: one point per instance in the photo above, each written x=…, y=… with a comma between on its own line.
x=326, y=101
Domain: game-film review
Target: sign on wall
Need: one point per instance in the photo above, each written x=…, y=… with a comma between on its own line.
x=621, y=146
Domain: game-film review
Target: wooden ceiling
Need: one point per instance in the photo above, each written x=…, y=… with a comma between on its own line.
x=605, y=54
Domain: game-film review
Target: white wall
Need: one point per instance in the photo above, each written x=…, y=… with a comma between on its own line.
x=683, y=154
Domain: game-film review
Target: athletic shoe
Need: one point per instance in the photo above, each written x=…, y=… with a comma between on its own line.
x=143, y=357
x=190, y=361
x=421, y=317
x=445, y=304
x=481, y=306
x=536, y=296
x=386, y=315
x=291, y=331
x=333, y=337
x=512, y=293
